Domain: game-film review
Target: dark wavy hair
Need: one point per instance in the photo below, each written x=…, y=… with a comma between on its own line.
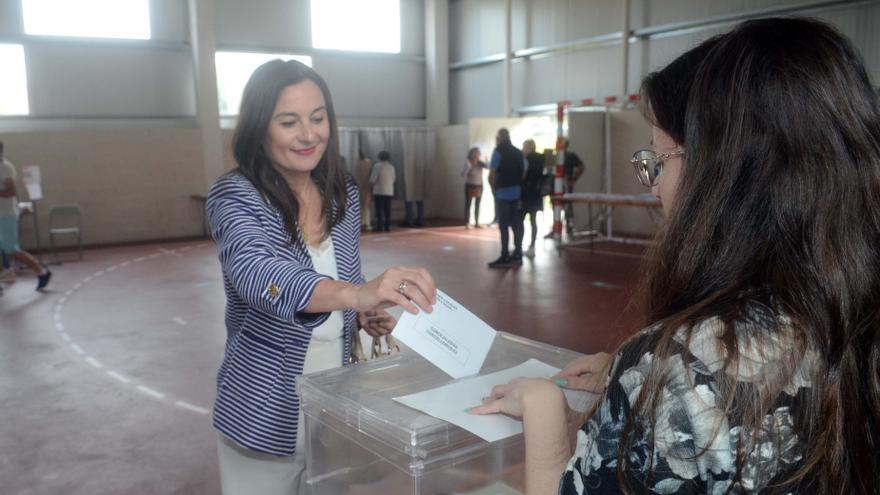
x=257, y=104
x=777, y=205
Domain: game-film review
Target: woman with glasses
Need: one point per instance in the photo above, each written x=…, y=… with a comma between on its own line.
x=759, y=367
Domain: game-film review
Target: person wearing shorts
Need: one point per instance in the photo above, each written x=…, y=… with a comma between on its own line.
x=9, y=223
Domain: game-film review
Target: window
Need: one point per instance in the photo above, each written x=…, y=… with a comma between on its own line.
x=233, y=71
x=356, y=25
x=13, y=83
x=121, y=19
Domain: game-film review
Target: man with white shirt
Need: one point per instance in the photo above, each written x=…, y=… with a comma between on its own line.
x=9, y=223
x=382, y=178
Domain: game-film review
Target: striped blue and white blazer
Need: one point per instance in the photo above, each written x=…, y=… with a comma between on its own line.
x=268, y=282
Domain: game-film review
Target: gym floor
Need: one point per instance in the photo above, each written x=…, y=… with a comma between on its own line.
x=108, y=377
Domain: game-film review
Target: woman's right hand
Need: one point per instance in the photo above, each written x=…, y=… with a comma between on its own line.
x=587, y=373
x=418, y=291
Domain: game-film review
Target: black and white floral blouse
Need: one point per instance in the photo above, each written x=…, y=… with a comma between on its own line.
x=689, y=414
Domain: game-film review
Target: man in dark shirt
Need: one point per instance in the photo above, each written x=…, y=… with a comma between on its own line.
x=574, y=168
x=506, y=175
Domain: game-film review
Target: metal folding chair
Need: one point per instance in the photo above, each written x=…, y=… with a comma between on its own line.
x=65, y=220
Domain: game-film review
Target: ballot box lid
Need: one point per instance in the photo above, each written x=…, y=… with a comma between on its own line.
x=358, y=399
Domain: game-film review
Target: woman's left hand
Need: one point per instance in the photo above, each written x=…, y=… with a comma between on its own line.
x=519, y=396
x=377, y=323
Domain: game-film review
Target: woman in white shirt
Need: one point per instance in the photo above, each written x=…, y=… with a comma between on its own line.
x=473, y=185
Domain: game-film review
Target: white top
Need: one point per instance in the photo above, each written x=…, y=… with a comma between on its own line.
x=8, y=206
x=325, y=348
x=382, y=177
x=473, y=174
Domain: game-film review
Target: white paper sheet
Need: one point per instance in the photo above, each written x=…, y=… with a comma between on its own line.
x=450, y=337
x=448, y=402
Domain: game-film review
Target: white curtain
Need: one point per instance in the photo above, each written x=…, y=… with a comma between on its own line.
x=349, y=145
x=418, y=161
x=376, y=139
x=412, y=154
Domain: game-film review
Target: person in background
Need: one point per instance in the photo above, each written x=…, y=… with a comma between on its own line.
x=286, y=223
x=532, y=200
x=7, y=274
x=759, y=369
x=382, y=178
x=362, y=176
x=473, y=186
x=506, y=174
x=573, y=169
x=9, y=223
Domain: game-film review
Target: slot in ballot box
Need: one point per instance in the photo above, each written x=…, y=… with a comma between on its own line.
x=359, y=441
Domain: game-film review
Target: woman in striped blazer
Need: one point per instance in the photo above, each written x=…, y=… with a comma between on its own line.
x=287, y=224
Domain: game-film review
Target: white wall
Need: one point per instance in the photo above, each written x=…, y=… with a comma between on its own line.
x=132, y=184
x=377, y=87
x=477, y=30
x=99, y=78
x=447, y=186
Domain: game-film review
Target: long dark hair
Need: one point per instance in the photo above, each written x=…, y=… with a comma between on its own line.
x=257, y=104
x=777, y=205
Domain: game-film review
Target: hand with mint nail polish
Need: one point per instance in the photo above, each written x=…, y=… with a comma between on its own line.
x=588, y=373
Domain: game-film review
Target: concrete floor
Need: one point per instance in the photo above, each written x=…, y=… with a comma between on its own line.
x=107, y=379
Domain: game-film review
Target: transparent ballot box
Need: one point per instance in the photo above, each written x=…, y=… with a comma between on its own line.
x=359, y=441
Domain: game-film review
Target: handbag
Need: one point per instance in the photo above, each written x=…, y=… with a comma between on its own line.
x=385, y=345
x=547, y=181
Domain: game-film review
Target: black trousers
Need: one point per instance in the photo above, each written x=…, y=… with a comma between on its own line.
x=532, y=210
x=509, y=218
x=383, y=212
x=475, y=194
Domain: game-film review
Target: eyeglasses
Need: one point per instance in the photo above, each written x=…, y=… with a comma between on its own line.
x=649, y=165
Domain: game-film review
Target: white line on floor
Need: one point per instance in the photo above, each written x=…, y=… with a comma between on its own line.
x=172, y=252
x=65, y=337
x=87, y=280
x=77, y=349
x=151, y=392
x=57, y=316
x=94, y=362
x=69, y=292
x=110, y=269
x=77, y=286
x=62, y=301
x=119, y=377
x=139, y=259
x=124, y=263
x=58, y=308
x=154, y=255
x=59, y=326
x=186, y=405
x=179, y=320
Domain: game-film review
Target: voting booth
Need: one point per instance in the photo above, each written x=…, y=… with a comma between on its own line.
x=359, y=440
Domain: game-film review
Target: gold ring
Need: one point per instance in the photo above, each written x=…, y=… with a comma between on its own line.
x=402, y=288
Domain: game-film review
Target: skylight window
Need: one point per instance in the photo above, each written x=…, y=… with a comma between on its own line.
x=119, y=19
x=356, y=25
x=13, y=84
x=233, y=71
